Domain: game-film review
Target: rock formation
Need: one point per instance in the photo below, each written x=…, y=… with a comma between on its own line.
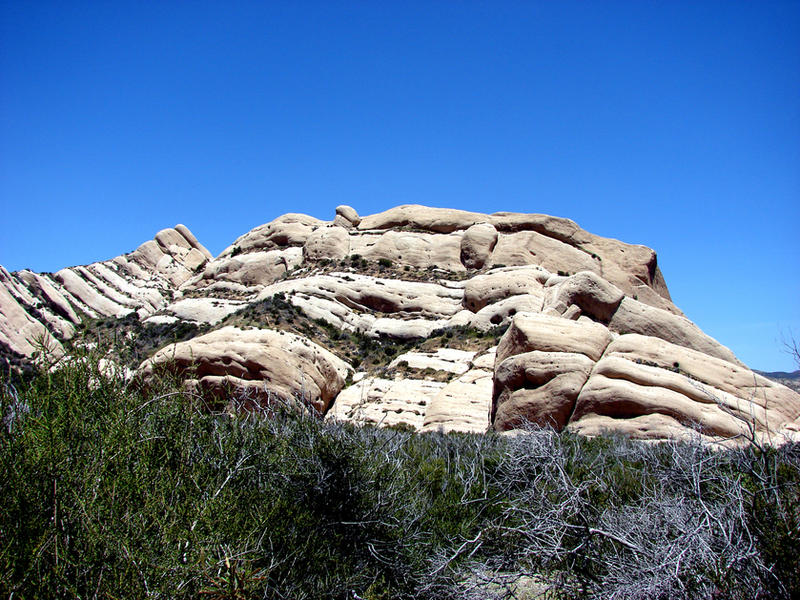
x=395, y=319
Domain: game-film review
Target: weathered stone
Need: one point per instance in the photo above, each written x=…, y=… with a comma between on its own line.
x=500, y=284
x=349, y=214
x=439, y=220
x=635, y=317
x=529, y=331
x=477, y=244
x=261, y=363
x=538, y=387
x=403, y=248
x=588, y=291
x=331, y=243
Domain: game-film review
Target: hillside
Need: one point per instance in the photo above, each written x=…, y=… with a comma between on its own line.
x=434, y=319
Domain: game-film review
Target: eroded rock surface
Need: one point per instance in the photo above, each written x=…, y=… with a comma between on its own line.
x=257, y=364
x=593, y=340
x=142, y=282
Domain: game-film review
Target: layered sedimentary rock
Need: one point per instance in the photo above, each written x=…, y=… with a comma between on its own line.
x=144, y=281
x=593, y=341
x=259, y=364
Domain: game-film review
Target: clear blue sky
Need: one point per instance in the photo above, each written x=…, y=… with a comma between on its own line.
x=670, y=124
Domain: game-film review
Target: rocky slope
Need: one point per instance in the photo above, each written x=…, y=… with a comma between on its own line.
x=396, y=318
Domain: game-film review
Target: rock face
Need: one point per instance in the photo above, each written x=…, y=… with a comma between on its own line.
x=260, y=364
x=142, y=282
x=592, y=340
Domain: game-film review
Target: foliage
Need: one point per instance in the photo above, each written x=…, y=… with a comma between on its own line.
x=111, y=491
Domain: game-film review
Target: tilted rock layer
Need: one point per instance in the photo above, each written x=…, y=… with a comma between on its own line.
x=593, y=341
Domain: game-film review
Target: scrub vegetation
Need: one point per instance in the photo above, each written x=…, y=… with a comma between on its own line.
x=111, y=490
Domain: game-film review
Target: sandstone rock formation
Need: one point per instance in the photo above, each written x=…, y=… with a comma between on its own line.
x=143, y=281
x=593, y=340
x=263, y=364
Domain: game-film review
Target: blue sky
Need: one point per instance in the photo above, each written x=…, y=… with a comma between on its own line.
x=670, y=124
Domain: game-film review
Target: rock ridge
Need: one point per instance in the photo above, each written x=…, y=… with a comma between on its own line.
x=395, y=319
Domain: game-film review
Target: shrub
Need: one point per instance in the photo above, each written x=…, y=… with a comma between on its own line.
x=114, y=491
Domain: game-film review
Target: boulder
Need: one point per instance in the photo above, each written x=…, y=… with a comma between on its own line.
x=462, y=405
x=413, y=249
x=538, y=387
x=257, y=268
x=261, y=364
x=530, y=331
x=721, y=389
x=386, y=402
x=482, y=290
x=588, y=291
x=477, y=245
x=288, y=230
x=532, y=248
x=348, y=215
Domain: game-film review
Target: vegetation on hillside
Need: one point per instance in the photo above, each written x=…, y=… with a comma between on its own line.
x=111, y=491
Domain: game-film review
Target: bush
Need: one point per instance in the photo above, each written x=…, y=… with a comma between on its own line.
x=111, y=491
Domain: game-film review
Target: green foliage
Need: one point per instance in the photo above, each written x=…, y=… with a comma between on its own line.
x=113, y=491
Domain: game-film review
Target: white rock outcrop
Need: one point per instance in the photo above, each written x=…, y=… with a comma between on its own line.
x=593, y=340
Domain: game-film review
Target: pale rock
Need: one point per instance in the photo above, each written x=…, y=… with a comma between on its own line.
x=138, y=295
x=530, y=331
x=20, y=332
x=439, y=220
x=386, y=402
x=262, y=363
x=170, y=240
x=257, y=268
x=160, y=320
x=586, y=290
x=462, y=405
x=79, y=288
x=486, y=359
x=532, y=248
x=538, y=387
x=442, y=359
x=189, y=237
x=42, y=286
x=104, y=289
x=348, y=214
x=501, y=312
x=652, y=427
x=340, y=221
x=559, y=228
x=328, y=242
x=288, y=230
x=496, y=285
x=204, y=310
x=364, y=293
x=477, y=245
x=733, y=388
x=636, y=317
x=419, y=250
x=332, y=312
x=623, y=399
x=405, y=329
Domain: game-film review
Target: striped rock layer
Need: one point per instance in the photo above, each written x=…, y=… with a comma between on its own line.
x=593, y=341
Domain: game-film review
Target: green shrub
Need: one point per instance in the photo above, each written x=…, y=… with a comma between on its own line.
x=111, y=490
